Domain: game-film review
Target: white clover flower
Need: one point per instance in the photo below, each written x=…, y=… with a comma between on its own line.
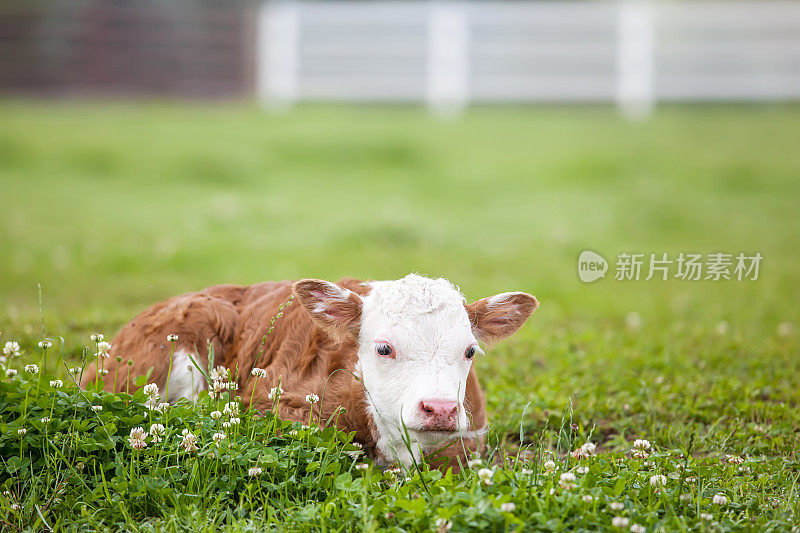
x=3, y=359
x=275, y=393
x=156, y=432
x=11, y=372
x=508, y=507
x=104, y=372
x=443, y=524
x=232, y=385
x=11, y=348
x=217, y=388
x=189, y=441
x=526, y=471
x=45, y=420
x=32, y=369
x=362, y=466
x=97, y=337
x=75, y=370
x=102, y=355
x=734, y=459
x=21, y=432
x=172, y=337
x=226, y=425
x=97, y=408
x=103, y=349
x=293, y=433
x=744, y=469
x=550, y=466
x=658, y=480
x=582, y=470
x=588, y=498
x=235, y=421
x=485, y=475
x=472, y=463
x=258, y=372
x=706, y=516
x=357, y=445
x=56, y=383
x=15, y=506
x=638, y=528
x=567, y=481
x=691, y=479
x=151, y=390
x=231, y=409
x=616, y=506
x=216, y=415
x=137, y=438
x=312, y=398
x=45, y=344
x=586, y=450
x=219, y=373
x=161, y=407
x=218, y=438
x=254, y=471
x=640, y=448
x=620, y=521
x=719, y=499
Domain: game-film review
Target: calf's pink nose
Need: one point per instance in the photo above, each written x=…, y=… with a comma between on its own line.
x=439, y=415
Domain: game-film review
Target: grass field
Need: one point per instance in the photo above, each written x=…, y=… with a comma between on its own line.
x=112, y=207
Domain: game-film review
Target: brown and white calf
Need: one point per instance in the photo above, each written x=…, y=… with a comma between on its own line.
x=397, y=355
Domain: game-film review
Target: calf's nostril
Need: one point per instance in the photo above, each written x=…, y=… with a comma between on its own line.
x=439, y=409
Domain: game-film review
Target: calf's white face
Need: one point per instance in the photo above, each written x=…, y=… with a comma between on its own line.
x=417, y=343
x=416, y=347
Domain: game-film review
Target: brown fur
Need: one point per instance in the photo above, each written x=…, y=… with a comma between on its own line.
x=304, y=356
x=493, y=323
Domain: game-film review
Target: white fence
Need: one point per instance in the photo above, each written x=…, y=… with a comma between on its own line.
x=451, y=53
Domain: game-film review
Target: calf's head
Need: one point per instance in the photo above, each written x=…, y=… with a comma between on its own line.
x=417, y=340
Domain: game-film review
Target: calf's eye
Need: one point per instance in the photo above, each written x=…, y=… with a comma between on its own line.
x=384, y=349
x=470, y=353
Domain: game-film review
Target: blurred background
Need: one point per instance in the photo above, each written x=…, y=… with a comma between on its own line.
x=149, y=148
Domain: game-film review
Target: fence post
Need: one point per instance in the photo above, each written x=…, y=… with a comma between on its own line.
x=635, y=58
x=447, y=58
x=278, y=34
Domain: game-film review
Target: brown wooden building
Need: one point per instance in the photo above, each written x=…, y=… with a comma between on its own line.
x=140, y=48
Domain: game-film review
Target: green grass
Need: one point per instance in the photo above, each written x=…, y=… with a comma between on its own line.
x=112, y=207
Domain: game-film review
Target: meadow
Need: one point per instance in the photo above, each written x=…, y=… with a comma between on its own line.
x=109, y=207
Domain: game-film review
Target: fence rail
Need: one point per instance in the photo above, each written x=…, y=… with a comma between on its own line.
x=451, y=53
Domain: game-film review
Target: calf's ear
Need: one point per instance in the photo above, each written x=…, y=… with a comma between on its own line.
x=335, y=309
x=500, y=316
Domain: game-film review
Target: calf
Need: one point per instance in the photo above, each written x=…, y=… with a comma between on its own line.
x=396, y=355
